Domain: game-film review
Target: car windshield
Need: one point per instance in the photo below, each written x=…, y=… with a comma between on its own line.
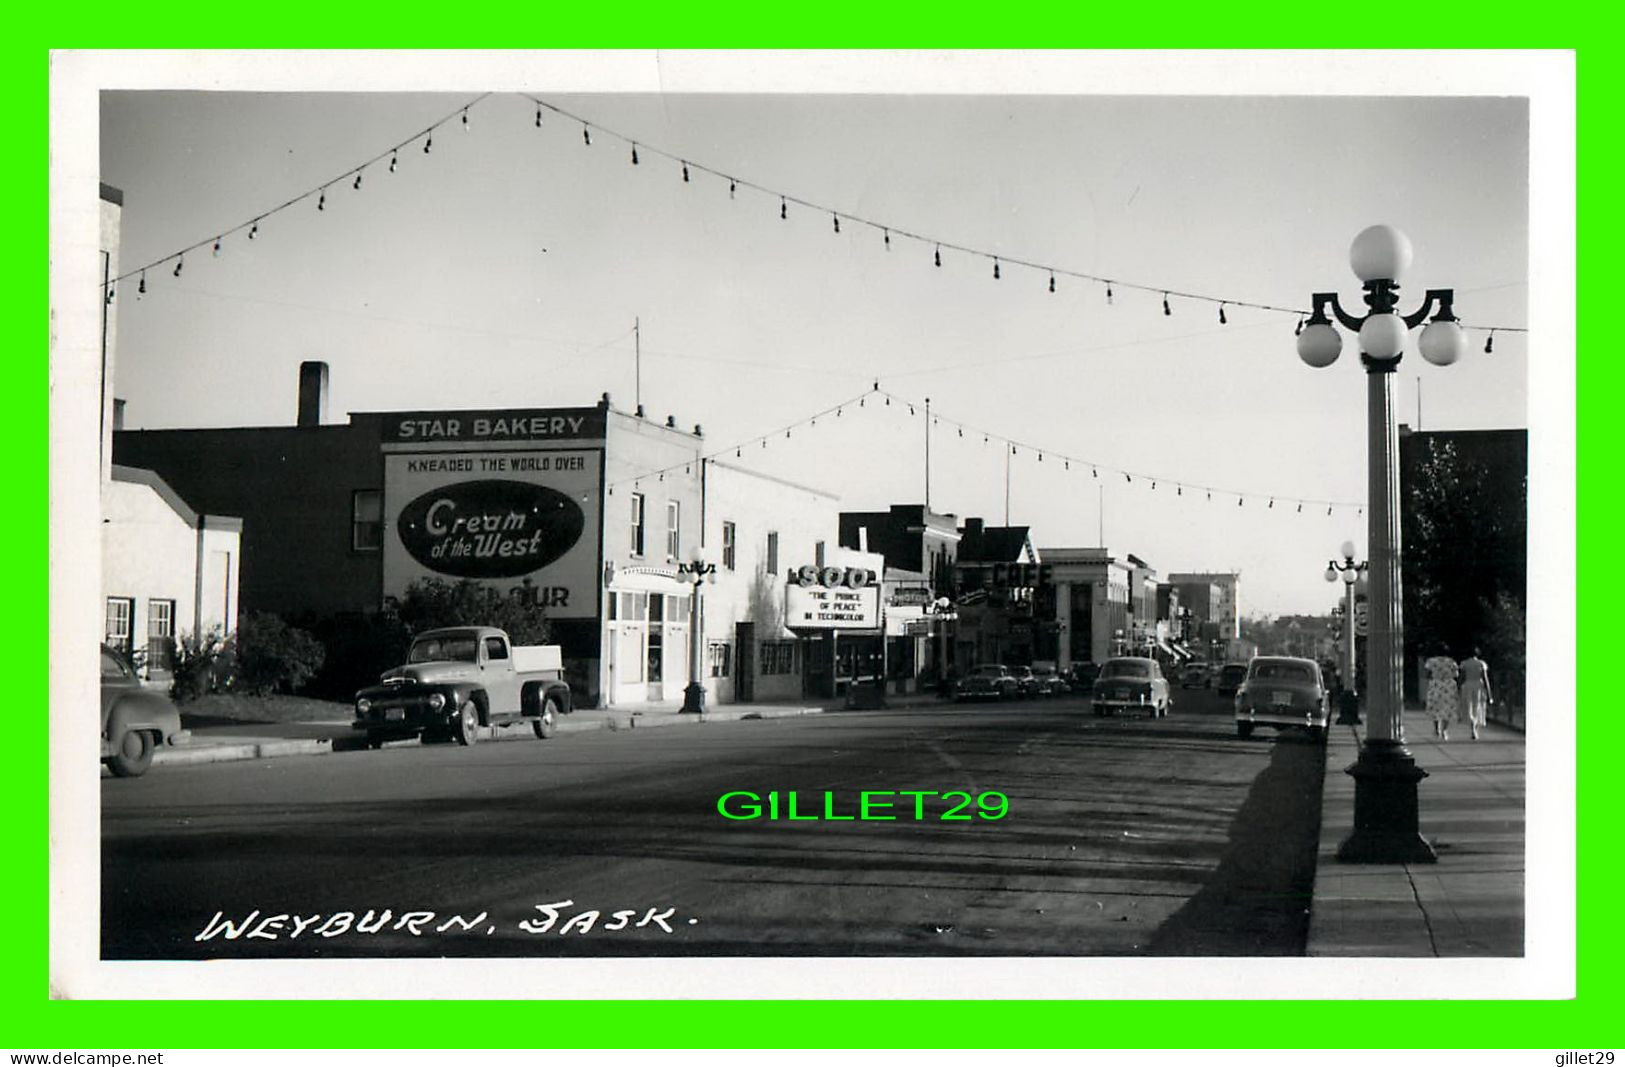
x=1126, y=668
x=989, y=671
x=1284, y=672
x=443, y=647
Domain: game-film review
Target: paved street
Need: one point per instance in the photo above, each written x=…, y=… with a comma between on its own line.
x=1123, y=837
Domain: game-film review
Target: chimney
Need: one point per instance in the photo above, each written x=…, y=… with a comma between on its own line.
x=312, y=392
x=863, y=538
x=973, y=527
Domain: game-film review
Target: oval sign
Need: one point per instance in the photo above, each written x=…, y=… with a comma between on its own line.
x=490, y=529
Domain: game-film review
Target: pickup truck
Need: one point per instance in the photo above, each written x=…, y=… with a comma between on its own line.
x=459, y=679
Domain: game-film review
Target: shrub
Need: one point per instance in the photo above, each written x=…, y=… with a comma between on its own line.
x=430, y=603
x=203, y=665
x=274, y=657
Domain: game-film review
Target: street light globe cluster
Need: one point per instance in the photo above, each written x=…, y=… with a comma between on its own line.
x=1378, y=256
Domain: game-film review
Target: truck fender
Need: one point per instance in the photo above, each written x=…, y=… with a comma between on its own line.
x=456, y=694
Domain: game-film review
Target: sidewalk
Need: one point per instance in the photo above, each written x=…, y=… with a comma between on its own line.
x=1470, y=903
x=225, y=743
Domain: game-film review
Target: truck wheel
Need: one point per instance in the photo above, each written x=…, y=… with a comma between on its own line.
x=467, y=727
x=134, y=754
x=547, y=722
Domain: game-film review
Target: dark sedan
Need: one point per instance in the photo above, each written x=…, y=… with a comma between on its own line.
x=988, y=681
x=1282, y=691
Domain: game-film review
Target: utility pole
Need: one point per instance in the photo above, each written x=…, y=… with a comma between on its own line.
x=637, y=364
x=1100, y=513
x=1008, y=449
x=927, y=453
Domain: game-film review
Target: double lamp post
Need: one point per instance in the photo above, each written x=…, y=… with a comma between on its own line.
x=1386, y=825
x=1353, y=576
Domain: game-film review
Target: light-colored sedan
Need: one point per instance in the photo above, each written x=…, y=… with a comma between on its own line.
x=1282, y=691
x=1131, y=683
x=988, y=681
x=136, y=721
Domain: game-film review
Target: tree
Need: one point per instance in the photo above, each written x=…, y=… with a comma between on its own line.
x=430, y=603
x=1465, y=567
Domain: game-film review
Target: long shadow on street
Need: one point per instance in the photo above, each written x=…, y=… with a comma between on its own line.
x=1243, y=909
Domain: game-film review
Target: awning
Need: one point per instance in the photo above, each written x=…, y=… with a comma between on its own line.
x=1163, y=644
x=1181, y=650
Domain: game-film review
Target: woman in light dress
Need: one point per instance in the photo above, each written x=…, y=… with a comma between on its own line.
x=1442, y=699
x=1475, y=691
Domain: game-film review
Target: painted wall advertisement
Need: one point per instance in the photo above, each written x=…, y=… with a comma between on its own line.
x=524, y=521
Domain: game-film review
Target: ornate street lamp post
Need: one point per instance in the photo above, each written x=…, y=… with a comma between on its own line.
x=1348, y=711
x=696, y=572
x=1386, y=824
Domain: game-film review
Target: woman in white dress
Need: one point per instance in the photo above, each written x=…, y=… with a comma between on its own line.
x=1475, y=691
x=1441, y=694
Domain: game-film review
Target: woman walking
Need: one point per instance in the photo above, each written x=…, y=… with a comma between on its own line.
x=1441, y=695
x=1475, y=691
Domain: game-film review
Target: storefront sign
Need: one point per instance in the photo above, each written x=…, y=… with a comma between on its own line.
x=910, y=596
x=1004, y=575
x=520, y=521
x=523, y=424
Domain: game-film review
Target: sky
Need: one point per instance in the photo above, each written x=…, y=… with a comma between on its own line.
x=506, y=267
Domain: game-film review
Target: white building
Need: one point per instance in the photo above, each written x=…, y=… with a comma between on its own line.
x=167, y=571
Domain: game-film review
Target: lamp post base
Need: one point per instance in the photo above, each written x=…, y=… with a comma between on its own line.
x=1386, y=827
x=693, y=699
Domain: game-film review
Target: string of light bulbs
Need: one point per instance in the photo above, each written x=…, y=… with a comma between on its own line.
x=352, y=175
x=758, y=443
x=887, y=231
x=1095, y=469
x=1154, y=481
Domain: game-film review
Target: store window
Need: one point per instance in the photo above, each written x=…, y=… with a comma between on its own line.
x=673, y=524
x=778, y=657
x=161, y=634
x=367, y=520
x=720, y=655
x=730, y=536
x=120, y=618
x=637, y=524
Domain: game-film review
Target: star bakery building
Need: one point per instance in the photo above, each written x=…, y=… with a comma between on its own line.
x=588, y=511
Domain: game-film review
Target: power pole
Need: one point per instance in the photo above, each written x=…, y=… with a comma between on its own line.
x=927, y=453
x=637, y=364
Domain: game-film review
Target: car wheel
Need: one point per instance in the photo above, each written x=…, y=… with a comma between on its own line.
x=467, y=727
x=374, y=742
x=547, y=722
x=1317, y=734
x=134, y=754
x=1244, y=729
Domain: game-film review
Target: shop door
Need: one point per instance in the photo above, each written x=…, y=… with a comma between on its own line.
x=745, y=662
x=657, y=647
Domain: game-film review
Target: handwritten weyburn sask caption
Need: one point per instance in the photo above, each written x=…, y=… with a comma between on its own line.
x=282, y=926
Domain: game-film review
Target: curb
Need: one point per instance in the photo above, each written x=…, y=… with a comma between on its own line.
x=231, y=752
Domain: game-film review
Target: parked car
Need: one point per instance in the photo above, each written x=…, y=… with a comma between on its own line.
x=988, y=681
x=1195, y=675
x=1050, y=683
x=136, y=721
x=458, y=679
x=1282, y=691
x=1131, y=683
x=1027, y=683
x=1083, y=676
x=1229, y=678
